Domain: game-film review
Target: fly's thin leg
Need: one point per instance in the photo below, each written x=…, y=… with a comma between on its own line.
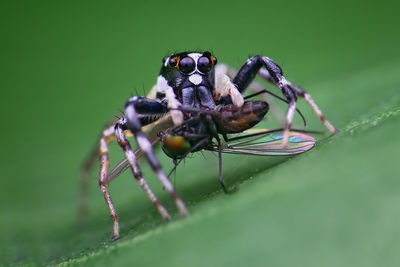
x=265, y=91
x=220, y=174
x=220, y=178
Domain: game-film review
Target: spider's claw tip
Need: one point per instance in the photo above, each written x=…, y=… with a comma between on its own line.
x=115, y=237
x=184, y=213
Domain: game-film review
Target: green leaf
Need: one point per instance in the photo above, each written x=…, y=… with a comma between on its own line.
x=69, y=68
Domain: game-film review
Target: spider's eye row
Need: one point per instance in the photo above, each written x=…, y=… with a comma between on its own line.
x=187, y=65
x=173, y=62
x=214, y=60
x=204, y=64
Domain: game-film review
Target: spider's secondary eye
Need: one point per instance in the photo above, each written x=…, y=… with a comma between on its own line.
x=204, y=64
x=187, y=65
x=172, y=62
x=214, y=60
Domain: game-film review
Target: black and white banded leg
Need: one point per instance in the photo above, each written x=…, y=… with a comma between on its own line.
x=108, y=135
x=133, y=123
x=274, y=74
x=150, y=111
x=307, y=97
x=105, y=180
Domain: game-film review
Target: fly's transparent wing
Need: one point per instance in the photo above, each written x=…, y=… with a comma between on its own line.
x=119, y=169
x=262, y=142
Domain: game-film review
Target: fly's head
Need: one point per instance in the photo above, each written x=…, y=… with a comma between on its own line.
x=191, y=75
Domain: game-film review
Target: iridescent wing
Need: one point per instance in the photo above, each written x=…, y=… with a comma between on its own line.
x=261, y=142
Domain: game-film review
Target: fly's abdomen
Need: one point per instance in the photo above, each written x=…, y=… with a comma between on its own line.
x=175, y=146
x=238, y=119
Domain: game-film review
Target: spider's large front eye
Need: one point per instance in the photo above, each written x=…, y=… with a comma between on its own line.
x=187, y=65
x=204, y=64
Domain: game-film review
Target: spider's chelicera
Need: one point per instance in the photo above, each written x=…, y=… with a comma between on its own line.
x=194, y=106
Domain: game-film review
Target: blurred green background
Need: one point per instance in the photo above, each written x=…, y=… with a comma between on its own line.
x=67, y=67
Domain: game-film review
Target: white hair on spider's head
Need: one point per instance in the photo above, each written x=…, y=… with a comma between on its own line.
x=173, y=102
x=196, y=79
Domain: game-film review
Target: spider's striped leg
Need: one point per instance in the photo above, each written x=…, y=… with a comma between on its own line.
x=133, y=124
x=274, y=75
x=290, y=90
x=136, y=170
x=302, y=93
x=86, y=168
x=108, y=135
x=307, y=97
x=247, y=74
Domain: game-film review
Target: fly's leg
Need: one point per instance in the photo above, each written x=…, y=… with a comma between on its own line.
x=274, y=74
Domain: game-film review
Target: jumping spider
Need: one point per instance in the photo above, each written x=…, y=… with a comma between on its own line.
x=194, y=102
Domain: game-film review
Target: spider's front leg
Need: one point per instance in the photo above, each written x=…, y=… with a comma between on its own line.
x=105, y=180
x=134, y=119
x=274, y=74
x=150, y=111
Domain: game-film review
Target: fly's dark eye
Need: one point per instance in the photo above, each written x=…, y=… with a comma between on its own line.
x=172, y=62
x=187, y=65
x=204, y=64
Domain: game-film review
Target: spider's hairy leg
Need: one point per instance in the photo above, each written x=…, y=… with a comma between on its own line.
x=133, y=124
x=87, y=166
x=276, y=77
x=307, y=97
x=274, y=74
x=302, y=93
x=103, y=181
x=137, y=172
x=151, y=111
